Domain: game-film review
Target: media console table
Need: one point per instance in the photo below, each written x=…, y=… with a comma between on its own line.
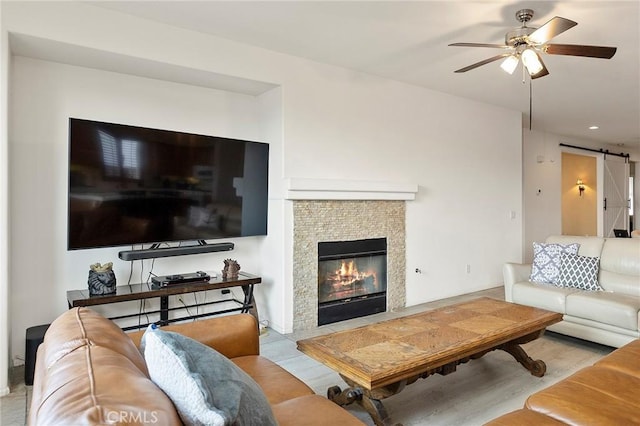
x=126, y=293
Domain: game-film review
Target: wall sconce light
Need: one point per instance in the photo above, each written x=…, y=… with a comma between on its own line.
x=580, y=186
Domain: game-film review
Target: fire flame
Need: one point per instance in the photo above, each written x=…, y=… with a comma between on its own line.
x=347, y=269
x=348, y=273
x=342, y=279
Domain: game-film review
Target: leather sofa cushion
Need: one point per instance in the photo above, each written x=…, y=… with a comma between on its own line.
x=543, y=296
x=277, y=383
x=232, y=335
x=78, y=326
x=625, y=360
x=83, y=358
x=312, y=410
x=616, y=309
x=524, y=417
x=594, y=396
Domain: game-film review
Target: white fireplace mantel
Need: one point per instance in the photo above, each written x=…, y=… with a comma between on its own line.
x=338, y=189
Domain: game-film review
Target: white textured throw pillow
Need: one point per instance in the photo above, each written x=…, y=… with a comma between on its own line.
x=546, y=261
x=580, y=272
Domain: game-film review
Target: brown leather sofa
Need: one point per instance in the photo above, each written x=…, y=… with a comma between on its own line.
x=89, y=372
x=607, y=393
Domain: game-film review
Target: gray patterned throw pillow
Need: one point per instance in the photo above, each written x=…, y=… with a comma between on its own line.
x=206, y=387
x=579, y=272
x=546, y=261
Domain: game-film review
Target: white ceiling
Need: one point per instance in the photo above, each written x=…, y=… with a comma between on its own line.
x=407, y=41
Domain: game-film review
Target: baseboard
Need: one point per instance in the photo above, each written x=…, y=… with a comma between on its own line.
x=4, y=392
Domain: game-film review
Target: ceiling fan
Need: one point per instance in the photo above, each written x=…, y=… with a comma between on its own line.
x=526, y=44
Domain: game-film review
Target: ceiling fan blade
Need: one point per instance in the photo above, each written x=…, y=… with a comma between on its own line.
x=497, y=46
x=550, y=29
x=481, y=63
x=544, y=71
x=602, y=52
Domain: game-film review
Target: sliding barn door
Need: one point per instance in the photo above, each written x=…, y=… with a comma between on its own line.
x=616, y=194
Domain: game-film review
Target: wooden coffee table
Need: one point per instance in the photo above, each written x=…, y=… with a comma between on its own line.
x=379, y=360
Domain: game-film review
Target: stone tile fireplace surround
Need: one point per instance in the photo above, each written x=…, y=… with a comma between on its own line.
x=342, y=220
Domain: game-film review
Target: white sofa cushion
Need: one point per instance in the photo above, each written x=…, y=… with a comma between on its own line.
x=620, y=266
x=616, y=309
x=589, y=246
x=543, y=296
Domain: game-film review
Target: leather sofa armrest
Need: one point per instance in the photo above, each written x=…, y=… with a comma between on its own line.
x=514, y=273
x=232, y=335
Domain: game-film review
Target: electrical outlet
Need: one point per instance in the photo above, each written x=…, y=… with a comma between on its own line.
x=263, y=327
x=18, y=360
x=468, y=268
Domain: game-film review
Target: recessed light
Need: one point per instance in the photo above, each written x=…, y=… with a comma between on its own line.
x=593, y=127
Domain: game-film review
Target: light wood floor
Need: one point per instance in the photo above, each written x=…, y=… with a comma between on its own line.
x=477, y=392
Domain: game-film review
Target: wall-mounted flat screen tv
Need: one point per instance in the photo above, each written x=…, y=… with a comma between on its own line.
x=132, y=185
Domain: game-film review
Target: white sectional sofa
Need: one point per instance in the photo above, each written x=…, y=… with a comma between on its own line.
x=610, y=317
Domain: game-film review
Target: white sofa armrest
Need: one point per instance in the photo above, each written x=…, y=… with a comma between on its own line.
x=514, y=273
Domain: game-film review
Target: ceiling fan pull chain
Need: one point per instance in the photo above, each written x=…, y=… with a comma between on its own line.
x=530, y=105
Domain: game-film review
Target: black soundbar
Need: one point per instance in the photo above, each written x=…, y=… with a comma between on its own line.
x=173, y=251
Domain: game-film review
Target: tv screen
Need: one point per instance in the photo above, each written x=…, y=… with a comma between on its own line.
x=132, y=185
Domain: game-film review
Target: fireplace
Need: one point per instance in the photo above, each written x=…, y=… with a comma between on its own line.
x=352, y=279
x=316, y=221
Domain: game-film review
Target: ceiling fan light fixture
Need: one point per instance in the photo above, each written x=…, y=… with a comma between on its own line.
x=510, y=63
x=527, y=43
x=531, y=61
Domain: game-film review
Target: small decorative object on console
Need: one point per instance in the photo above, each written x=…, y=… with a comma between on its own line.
x=231, y=269
x=102, y=279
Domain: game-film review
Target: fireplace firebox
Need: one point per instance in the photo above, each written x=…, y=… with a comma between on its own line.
x=352, y=279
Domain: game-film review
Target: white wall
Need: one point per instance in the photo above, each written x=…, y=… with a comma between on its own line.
x=468, y=212
x=465, y=156
x=272, y=293
x=4, y=211
x=542, y=167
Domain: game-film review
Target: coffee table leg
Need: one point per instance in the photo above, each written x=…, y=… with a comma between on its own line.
x=350, y=395
x=376, y=410
x=370, y=400
x=536, y=367
x=344, y=397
